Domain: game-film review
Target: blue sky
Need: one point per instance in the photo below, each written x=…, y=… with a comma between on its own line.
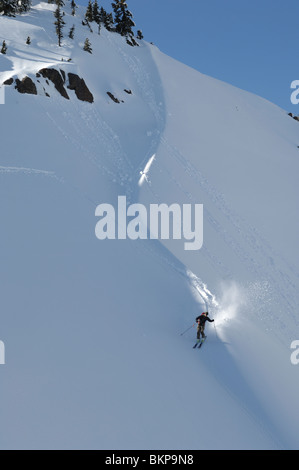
x=250, y=44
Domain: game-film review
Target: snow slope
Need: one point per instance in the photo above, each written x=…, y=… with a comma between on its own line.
x=94, y=355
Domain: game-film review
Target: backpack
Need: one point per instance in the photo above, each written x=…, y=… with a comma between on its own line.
x=200, y=318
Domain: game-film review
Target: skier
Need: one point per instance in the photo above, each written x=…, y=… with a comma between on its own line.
x=201, y=322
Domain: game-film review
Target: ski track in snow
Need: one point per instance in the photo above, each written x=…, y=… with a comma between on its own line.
x=29, y=171
x=209, y=302
x=112, y=162
x=144, y=79
x=246, y=243
x=115, y=163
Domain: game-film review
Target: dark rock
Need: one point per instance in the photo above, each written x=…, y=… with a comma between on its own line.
x=37, y=75
x=63, y=75
x=296, y=118
x=132, y=42
x=128, y=91
x=78, y=84
x=116, y=100
x=8, y=82
x=26, y=86
x=290, y=114
x=57, y=79
x=47, y=94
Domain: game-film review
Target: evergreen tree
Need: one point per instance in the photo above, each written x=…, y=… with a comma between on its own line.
x=87, y=46
x=89, y=12
x=8, y=7
x=23, y=6
x=73, y=6
x=71, y=33
x=106, y=19
x=59, y=23
x=108, y=23
x=4, y=48
x=139, y=34
x=123, y=18
x=59, y=3
x=13, y=7
x=96, y=12
x=102, y=15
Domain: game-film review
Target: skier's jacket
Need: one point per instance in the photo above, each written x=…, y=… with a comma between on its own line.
x=202, y=319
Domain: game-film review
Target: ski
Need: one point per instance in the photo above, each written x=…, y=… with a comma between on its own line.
x=201, y=343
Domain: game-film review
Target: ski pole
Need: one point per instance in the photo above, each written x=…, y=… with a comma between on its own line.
x=187, y=329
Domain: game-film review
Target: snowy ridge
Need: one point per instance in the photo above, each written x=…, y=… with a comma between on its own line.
x=92, y=329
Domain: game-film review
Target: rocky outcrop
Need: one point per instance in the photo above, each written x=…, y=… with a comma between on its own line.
x=8, y=82
x=26, y=86
x=294, y=117
x=79, y=86
x=57, y=78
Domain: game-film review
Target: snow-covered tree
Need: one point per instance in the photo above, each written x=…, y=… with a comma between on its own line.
x=109, y=23
x=8, y=7
x=59, y=23
x=89, y=12
x=123, y=18
x=106, y=19
x=87, y=46
x=102, y=15
x=96, y=12
x=71, y=33
x=23, y=6
x=28, y=40
x=14, y=7
x=139, y=34
x=4, y=48
x=73, y=7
